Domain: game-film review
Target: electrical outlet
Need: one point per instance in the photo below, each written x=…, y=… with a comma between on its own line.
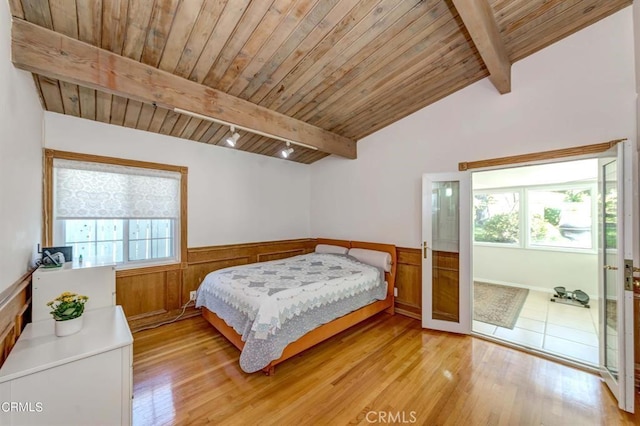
x=192, y=295
x=395, y=292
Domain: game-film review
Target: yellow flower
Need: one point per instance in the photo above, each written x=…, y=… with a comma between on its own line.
x=67, y=306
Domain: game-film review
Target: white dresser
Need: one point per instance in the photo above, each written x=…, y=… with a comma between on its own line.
x=82, y=379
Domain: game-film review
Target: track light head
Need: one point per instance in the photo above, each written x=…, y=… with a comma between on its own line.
x=287, y=151
x=233, y=139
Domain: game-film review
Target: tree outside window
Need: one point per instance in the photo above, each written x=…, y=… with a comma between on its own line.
x=496, y=217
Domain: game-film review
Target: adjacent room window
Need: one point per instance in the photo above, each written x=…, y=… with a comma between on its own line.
x=559, y=216
x=115, y=213
x=497, y=217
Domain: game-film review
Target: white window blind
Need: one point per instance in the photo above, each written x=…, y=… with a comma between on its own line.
x=96, y=190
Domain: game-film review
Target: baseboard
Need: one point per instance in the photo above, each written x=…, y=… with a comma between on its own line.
x=153, y=321
x=408, y=314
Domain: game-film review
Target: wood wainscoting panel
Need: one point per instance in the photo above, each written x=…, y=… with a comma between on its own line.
x=250, y=250
x=142, y=295
x=266, y=257
x=409, y=282
x=151, y=296
x=15, y=313
x=446, y=286
x=203, y=260
x=195, y=273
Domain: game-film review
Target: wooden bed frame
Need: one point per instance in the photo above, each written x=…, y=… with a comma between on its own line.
x=329, y=329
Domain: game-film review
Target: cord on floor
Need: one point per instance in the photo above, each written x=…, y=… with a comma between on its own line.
x=184, y=308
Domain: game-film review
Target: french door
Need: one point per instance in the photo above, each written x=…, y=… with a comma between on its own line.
x=446, y=252
x=615, y=256
x=447, y=275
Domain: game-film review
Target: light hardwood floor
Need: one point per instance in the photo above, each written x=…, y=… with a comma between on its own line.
x=385, y=368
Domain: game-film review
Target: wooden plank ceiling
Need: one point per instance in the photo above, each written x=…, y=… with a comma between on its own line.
x=347, y=66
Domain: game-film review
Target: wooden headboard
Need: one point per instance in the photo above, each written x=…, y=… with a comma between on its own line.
x=389, y=248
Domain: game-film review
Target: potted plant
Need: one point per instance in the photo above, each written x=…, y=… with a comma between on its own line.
x=67, y=312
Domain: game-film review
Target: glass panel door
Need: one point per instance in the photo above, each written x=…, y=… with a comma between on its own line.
x=615, y=250
x=446, y=251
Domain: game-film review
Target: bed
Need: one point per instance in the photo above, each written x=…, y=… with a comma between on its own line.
x=274, y=310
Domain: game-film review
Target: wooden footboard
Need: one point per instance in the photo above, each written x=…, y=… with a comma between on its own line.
x=329, y=329
x=307, y=341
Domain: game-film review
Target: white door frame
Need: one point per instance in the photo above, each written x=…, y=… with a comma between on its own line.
x=623, y=388
x=631, y=212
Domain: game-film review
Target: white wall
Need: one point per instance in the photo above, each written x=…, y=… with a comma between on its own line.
x=536, y=269
x=20, y=163
x=234, y=196
x=578, y=91
x=636, y=26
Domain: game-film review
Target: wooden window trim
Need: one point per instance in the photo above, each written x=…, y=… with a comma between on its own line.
x=51, y=154
x=540, y=156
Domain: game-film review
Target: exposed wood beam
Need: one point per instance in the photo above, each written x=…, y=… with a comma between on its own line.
x=479, y=20
x=55, y=55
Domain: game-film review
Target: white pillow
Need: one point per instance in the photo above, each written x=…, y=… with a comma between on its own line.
x=379, y=259
x=328, y=248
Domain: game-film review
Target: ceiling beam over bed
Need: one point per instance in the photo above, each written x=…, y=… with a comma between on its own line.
x=51, y=54
x=480, y=22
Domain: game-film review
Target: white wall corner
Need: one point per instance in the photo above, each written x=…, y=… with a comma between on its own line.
x=20, y=163
x=636, y=34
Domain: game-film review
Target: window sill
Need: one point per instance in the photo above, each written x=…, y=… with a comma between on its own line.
x=538, y=248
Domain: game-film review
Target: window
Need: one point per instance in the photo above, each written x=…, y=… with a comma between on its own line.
x=496, y=217
x=103, y=240
x=558, y=216
x=99, y=240
x=120, y=214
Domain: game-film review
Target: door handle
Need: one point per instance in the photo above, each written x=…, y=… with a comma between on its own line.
x=610, y=268
x=424, y=249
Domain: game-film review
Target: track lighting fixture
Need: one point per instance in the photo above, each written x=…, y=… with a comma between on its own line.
x=235, y=136
x=233, y=139
x=287, y=151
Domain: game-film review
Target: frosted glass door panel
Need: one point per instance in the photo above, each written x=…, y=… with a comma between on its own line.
x=445, y=205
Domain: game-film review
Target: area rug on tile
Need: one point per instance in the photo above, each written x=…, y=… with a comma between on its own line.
x=498, y=304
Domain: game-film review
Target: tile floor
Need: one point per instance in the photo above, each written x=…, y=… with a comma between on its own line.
x=559, y=329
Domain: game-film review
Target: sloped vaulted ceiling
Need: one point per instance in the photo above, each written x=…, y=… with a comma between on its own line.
x=322, y=72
